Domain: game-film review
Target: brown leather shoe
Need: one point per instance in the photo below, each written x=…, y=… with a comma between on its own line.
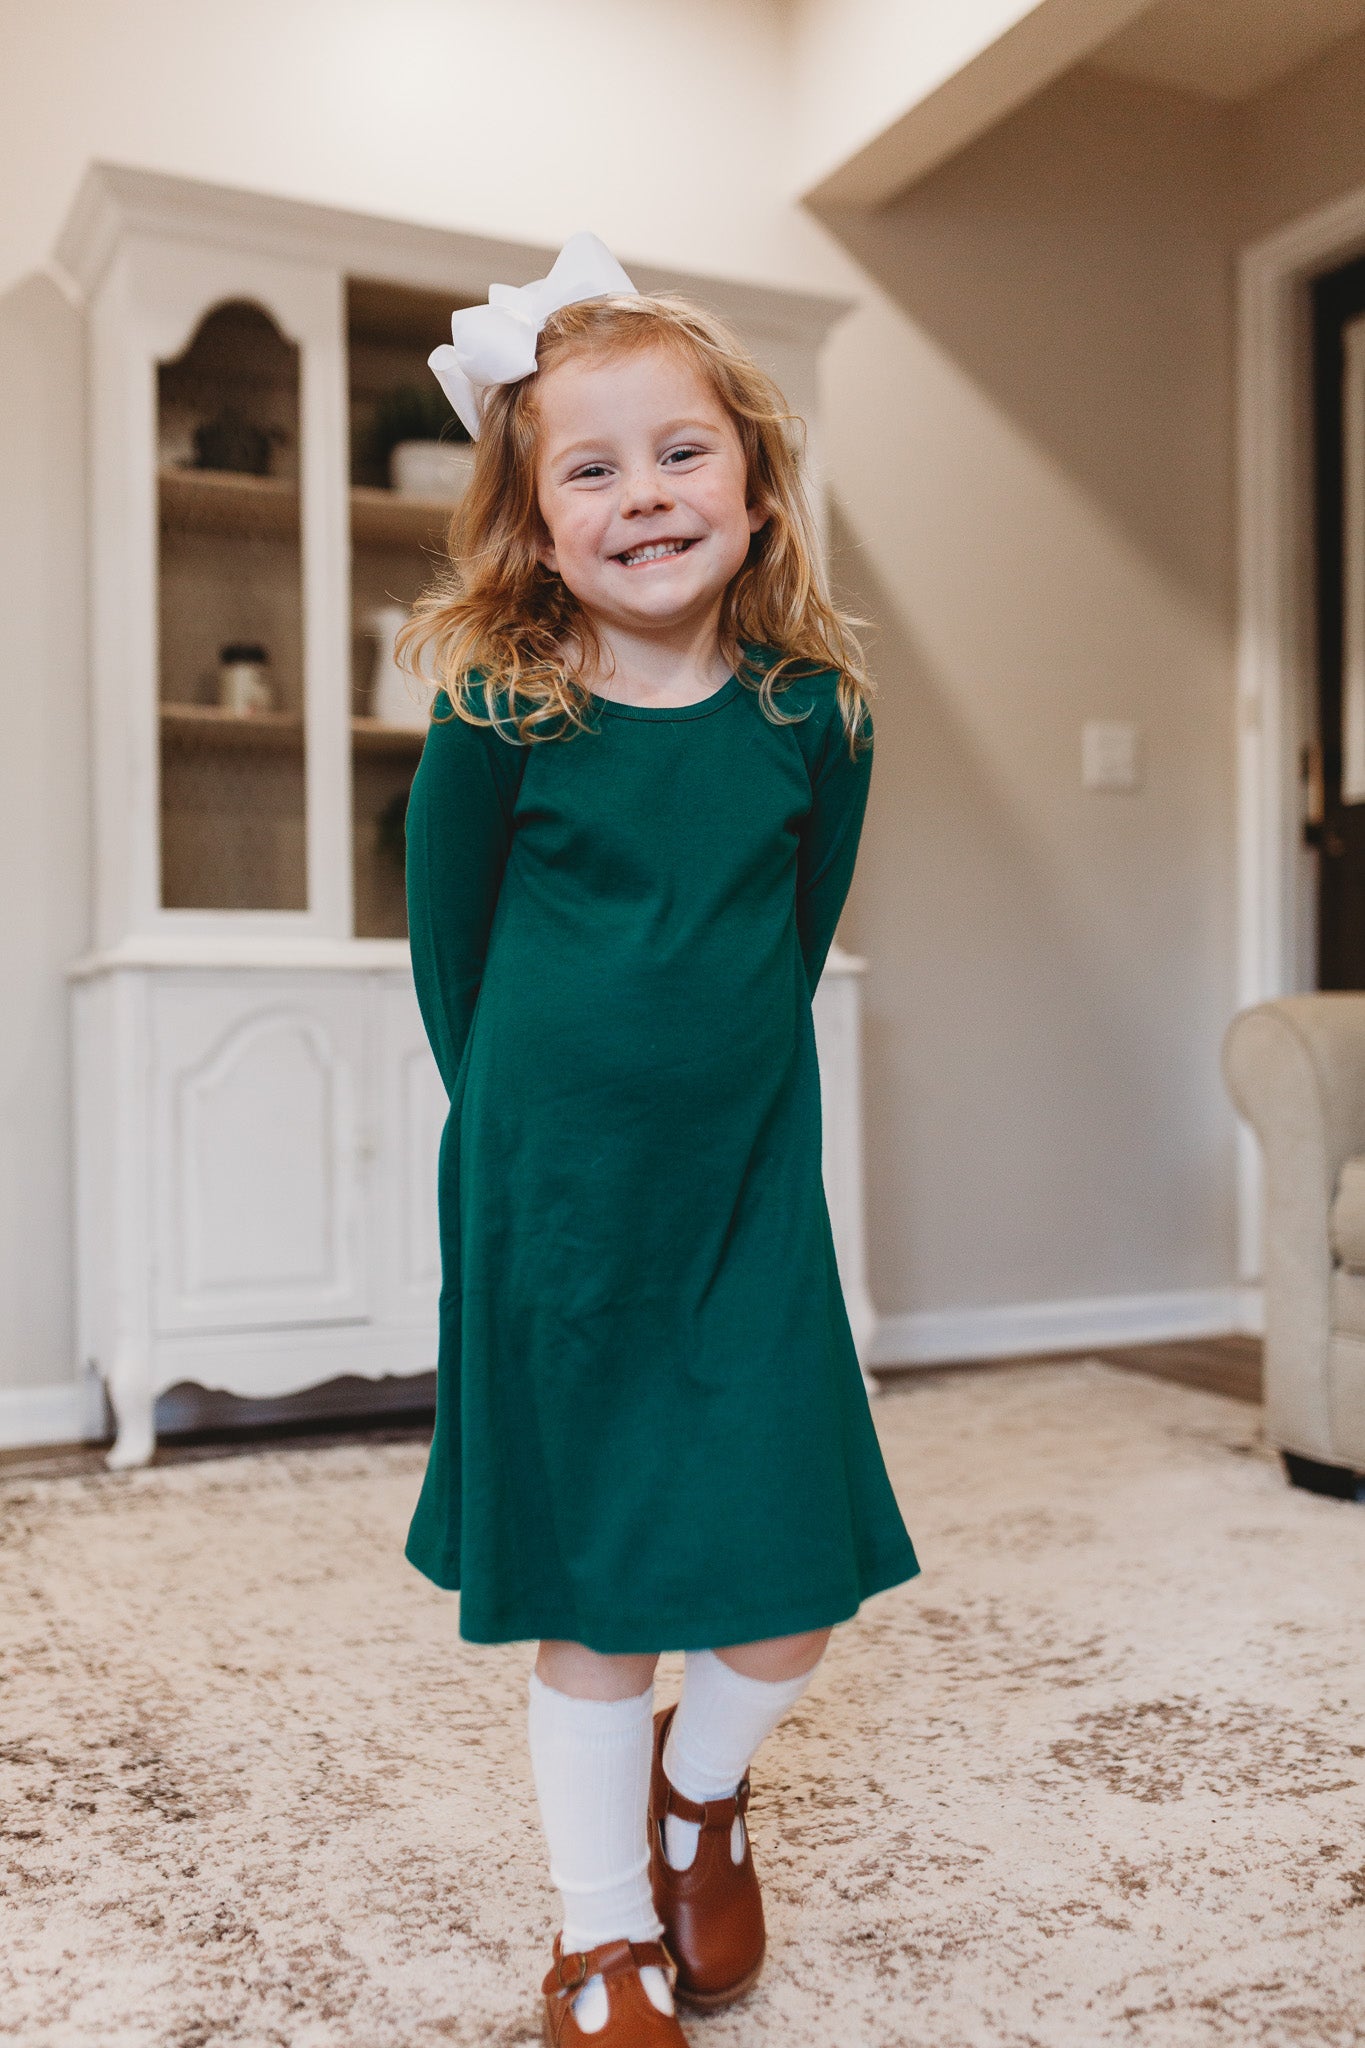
x=712, y=1911
x=633, y=2020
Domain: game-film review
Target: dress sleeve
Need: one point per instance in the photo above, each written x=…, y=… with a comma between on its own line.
x=829, y=839
x=459, y=834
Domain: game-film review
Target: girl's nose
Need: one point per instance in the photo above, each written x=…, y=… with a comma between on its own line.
x=645, y=490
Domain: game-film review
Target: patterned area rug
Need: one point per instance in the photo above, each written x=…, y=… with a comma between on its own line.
x=1095, y=1777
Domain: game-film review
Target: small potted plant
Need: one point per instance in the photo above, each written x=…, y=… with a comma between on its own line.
x=421, y=445
x=229, y=441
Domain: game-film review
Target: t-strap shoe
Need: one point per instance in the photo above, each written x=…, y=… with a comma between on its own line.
x=712, y=1911
x=633, y=2019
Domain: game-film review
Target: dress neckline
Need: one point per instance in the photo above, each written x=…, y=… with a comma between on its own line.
x=701, y=709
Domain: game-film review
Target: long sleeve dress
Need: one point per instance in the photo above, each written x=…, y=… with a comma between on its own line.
x=651, y=1429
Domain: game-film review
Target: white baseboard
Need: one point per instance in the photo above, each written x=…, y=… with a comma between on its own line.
x=65, y=1414
x=1018, y=1329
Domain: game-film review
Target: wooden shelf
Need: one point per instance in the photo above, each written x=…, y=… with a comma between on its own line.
x=384, y=519
x=222, y=501
x=205, y=725
x=372, y=736
x=267, y=507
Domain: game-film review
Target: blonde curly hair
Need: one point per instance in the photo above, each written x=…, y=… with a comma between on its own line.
x=495, y=614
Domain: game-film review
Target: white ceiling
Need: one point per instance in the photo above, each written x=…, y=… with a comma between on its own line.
x=1227, y=49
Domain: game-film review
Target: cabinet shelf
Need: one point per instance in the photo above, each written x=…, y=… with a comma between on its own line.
x=373, y=736
x=262, y=732
x=225, y=502
x=388, y=519
x=205, y=725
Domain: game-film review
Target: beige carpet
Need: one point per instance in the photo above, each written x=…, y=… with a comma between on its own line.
x=1095, y=1777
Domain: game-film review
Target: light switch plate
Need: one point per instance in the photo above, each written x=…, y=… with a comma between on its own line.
x=1109, y=754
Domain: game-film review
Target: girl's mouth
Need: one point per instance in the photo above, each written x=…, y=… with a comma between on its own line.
x=653, y=551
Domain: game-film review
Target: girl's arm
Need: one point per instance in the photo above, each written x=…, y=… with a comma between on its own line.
x=829, y=839
x=459, y=832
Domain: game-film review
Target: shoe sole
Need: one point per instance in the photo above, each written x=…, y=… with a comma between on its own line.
x=713, y=2001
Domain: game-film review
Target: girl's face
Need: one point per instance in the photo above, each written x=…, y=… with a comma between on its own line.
x=641, y=480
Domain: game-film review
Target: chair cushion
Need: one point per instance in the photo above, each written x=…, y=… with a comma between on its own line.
x=1347, y=1223
x=1348, y=1305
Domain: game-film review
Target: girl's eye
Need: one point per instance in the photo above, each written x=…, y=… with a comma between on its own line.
x=589, y=472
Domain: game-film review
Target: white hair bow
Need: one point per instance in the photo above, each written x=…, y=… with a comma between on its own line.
x=496, y=343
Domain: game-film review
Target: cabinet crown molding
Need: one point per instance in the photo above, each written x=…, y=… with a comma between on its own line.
x=115, y=200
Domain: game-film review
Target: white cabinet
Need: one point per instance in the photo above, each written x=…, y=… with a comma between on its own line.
x=257, y=1111
x=411, y=1103
x=257, y=1097
x=258, y=1181
x=838, y=1040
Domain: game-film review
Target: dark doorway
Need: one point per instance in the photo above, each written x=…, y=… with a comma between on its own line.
x=1338, y=828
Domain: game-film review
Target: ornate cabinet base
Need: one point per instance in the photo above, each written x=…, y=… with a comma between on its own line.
x=256, y=1174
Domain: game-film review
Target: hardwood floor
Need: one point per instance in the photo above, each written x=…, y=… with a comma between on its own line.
x=1217, y=1365
x=1228, y=1365
x=63, y=1461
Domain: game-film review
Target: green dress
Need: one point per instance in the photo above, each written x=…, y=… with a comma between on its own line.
x=651, y=1430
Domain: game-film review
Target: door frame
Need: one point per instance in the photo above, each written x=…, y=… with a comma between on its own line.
x=1276, y=680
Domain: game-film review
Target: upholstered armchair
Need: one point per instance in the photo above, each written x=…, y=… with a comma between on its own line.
x=1295, y=1069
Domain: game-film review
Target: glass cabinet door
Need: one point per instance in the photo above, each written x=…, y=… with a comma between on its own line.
x=230, y=619
x=233, y=735
x=410, y=462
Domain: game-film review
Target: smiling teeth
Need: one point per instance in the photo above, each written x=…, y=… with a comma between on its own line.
x=654, y=551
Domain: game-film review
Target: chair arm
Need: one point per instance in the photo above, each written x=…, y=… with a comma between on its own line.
x=1295, y=1069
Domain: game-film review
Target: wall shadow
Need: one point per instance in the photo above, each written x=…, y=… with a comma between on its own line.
x=1077, y=264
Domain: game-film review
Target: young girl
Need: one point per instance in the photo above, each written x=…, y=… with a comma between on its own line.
x=630, y=837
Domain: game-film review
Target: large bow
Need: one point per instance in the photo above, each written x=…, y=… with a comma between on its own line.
x=496, y=343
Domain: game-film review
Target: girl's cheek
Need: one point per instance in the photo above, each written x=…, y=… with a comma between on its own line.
x=568, y=536
x=725, y=499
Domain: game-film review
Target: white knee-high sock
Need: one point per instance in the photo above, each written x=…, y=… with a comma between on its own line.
x=721, y=1719
x=591, y=1763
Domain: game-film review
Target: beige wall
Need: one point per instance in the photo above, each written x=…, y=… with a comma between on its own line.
x=883, y=90
x=661, y=128
x=856, y=65
x=44, y=810
x=1302, y=143
x=1031, y=433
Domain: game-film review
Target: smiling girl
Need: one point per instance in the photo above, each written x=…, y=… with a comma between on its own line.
x=630, y=837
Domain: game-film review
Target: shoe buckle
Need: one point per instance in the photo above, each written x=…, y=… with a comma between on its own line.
x=572, y=1983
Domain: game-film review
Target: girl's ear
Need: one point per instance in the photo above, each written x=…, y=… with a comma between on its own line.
x=759, y=516
x=545, y=547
